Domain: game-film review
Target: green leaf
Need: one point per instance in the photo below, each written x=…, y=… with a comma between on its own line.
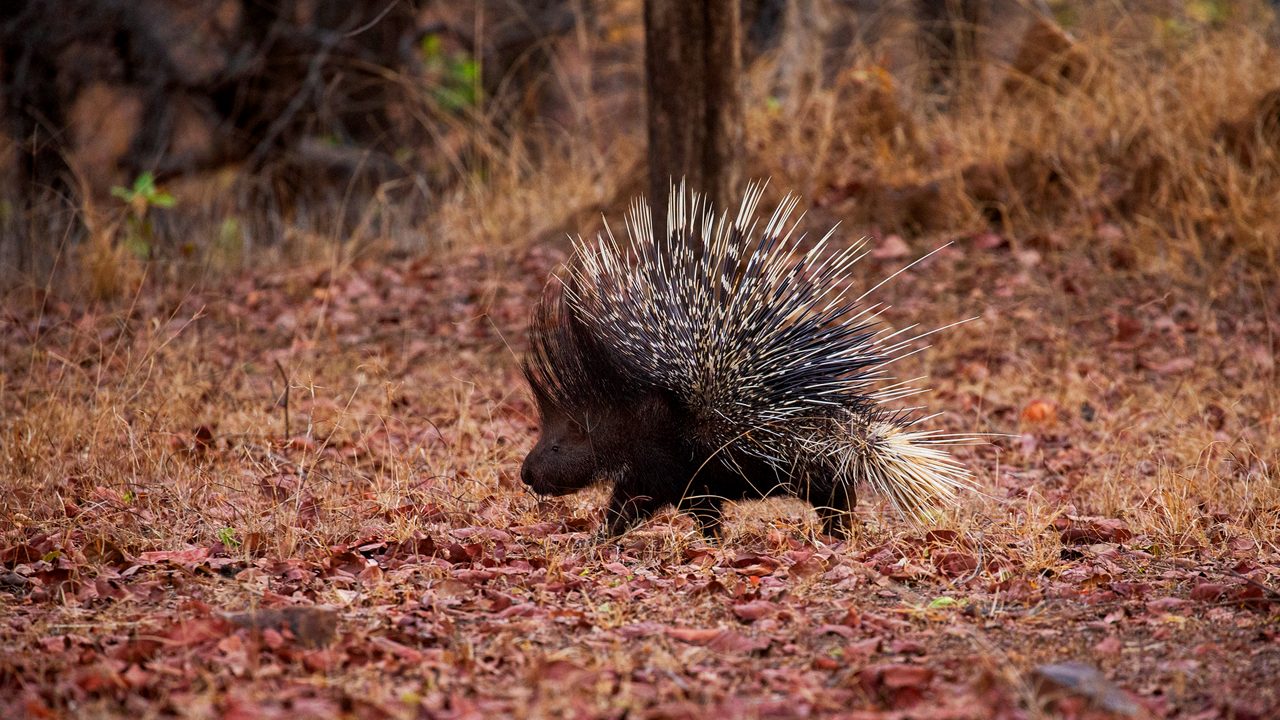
x=228, y=537
x=430, y=46
x=145, y=185
x=467, y=70
x=229, y=235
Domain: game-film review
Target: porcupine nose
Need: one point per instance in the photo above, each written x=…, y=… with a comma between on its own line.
x=526, y=475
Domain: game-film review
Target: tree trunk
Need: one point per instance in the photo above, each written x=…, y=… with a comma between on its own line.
x=693, y=67
x=950, y=38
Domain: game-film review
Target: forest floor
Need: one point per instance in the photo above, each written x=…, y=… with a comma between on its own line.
x=296, y=494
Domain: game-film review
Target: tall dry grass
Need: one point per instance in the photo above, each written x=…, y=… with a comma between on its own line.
x=1162, y=132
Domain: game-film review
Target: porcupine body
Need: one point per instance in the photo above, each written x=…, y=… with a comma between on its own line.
x=718, y=363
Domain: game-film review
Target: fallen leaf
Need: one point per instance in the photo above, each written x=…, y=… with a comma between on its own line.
x=989, y=241
x=189, y=556
x=955, y=564
x=1127, y=328
x=1090, y=531
x=722, y=640
x=1165, y=604
x=1079, y=679
x=1210, y=592
x=694, y=636
x=754, y=610
x=311, y=625
x=1040, y=412
x=843, y=631
x=898, y=684
x=893, y=247
x=1175, y=366
x=1108, y=646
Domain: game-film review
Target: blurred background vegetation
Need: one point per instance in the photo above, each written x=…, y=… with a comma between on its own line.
x=176, y=138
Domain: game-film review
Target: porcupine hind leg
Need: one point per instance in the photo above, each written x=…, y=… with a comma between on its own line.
x=834, y=506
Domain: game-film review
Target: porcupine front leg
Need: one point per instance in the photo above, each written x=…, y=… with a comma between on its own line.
x=627, y=509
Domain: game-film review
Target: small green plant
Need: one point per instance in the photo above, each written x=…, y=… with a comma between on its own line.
x=228, y=538
x=942, y=602
x=228, y=243
x=139, y=199
x=456, y=75
x=1209, y=12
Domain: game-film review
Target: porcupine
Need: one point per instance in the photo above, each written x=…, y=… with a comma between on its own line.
x=716, y=364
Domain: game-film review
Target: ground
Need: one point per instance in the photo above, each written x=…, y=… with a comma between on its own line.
x=296, y=494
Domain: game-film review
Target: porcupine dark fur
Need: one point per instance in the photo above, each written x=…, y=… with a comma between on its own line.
x=715, y=365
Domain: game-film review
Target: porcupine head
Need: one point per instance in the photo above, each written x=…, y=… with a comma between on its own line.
x=592, y=420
